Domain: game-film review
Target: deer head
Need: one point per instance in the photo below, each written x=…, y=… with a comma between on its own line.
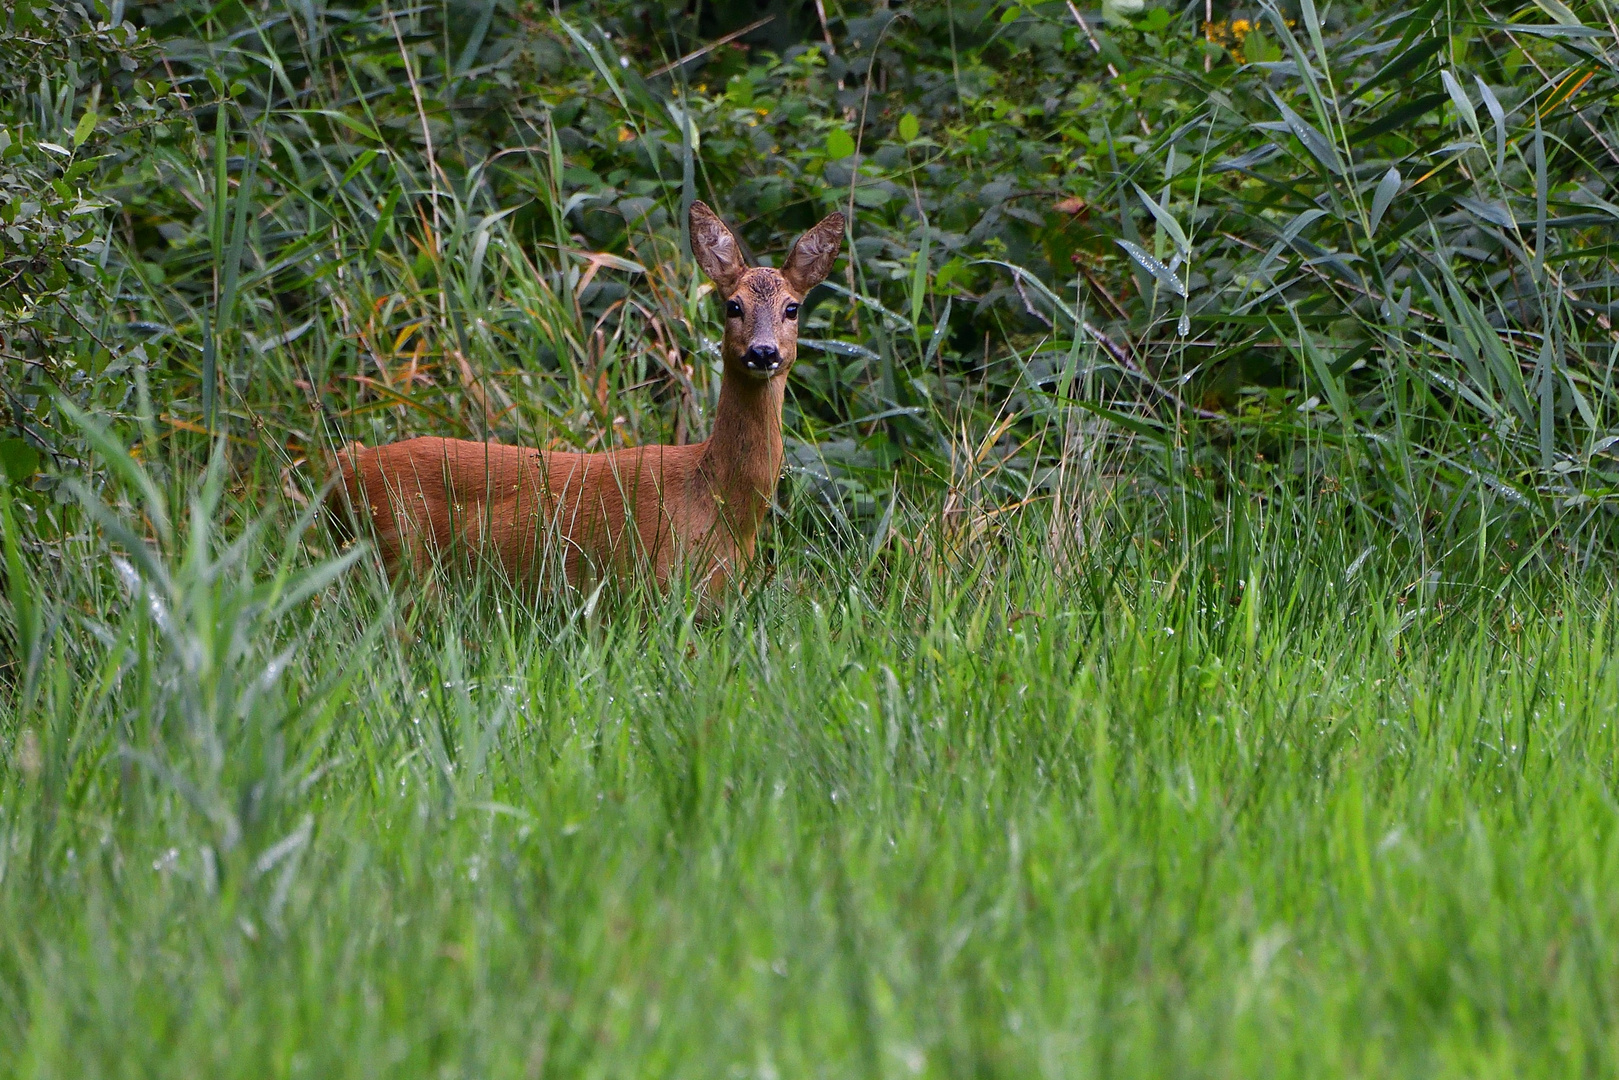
x=761, y=302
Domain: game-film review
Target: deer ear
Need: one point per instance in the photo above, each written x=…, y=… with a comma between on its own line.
x=812, y=255
x=716, y=249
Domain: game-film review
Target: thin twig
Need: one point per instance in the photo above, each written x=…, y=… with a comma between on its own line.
x=860, y=129
x=1101, y=291
x=68, y=308
x=1017, y=280
x=1096, y=47
x=427, y=134
x=1208, y=34
x=716, y=43
x=826, y=32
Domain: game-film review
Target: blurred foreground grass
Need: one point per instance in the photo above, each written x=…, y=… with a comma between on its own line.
x=1201, y=788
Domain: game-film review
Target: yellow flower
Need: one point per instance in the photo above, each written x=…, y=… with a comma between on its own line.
x=1229, y=34
x=625, y=134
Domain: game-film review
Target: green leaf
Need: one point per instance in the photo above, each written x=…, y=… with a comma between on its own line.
x=603, y=68
x=1387, y=188
x=1403, y=64
x=1339, y=367
x=1315, y=142
x=18, y=460
x=919, y=277
x=839, y=144
x=1257, y=48
x=956, y=267
x=1157, y=269
x=1312, y=23
x=1398, y=118
x=1140, y=425
x=1010, y=14
x=1291, y=233
x=1118, y=12
x=1494, y=213
x=117, y=459
x=909, y=127
x=1499, y=116
x=354, y=124
x=313, y=580
x=27, y=622
x=1546, y=384
x=1166, y=221
x=1560, y=12
x=360, y=164
x=1321, y=366
x=879, y=536
x=939, y=331
x=87, y=124
x=1458, y=97
x=1033, y=281
x=871, y=196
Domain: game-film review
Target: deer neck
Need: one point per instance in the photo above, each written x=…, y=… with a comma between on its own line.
x=742, y=458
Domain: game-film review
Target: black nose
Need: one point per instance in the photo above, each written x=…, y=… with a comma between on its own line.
x=762, y=358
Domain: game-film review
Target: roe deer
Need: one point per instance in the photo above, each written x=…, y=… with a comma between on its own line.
x=530, y=514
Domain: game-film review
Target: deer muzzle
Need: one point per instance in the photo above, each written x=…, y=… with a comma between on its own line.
x=762, y=359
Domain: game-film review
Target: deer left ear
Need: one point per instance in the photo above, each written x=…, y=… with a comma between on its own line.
x=715, y=248
x=813, y=253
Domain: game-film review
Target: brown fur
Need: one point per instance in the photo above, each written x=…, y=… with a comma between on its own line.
x=539, y=518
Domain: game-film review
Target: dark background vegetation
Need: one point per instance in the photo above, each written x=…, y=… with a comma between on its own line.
x=1367, y=247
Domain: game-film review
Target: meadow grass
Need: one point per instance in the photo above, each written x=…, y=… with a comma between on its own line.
x=1198, y=789
x=1054, y=742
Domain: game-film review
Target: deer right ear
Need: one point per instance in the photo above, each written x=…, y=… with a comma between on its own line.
x=812, y=255
x=716, y=249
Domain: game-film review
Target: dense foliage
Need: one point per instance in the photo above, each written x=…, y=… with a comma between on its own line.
x=1371, y=244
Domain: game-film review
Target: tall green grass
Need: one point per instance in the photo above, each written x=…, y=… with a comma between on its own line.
x=1191, y=783
x=1066, y=733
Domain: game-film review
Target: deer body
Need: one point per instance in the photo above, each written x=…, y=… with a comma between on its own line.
x=539, y=518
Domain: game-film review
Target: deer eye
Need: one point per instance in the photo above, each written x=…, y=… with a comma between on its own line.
x=792, y=311
x=733, y=309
